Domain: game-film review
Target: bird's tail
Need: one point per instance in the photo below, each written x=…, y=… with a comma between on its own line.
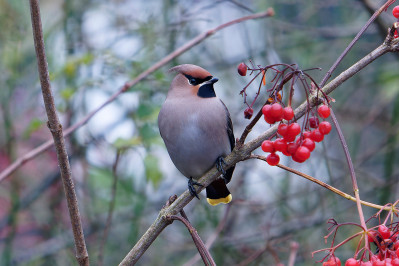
x=217, y=192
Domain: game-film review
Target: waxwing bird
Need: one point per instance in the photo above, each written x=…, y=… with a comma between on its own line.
x=197, y=130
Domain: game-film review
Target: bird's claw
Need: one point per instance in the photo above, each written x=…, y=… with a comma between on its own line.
x=191, y=188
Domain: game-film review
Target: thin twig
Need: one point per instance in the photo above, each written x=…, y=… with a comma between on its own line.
x=325, y=185
x=56, y=131
x=40, y=149
x=352, y=43
x=211, y=239
x=110, y=210
x=203, y=251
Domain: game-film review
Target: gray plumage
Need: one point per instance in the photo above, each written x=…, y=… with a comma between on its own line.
x=197, y=130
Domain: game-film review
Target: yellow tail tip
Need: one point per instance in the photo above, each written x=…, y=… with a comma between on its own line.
x=215, y=202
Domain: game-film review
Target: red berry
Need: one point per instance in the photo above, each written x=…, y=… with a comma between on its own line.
x=333, y=261
x=313, y=122
x=384, y=231
x=366, y=263
x=248, y=113
x=395, y=11
x=288, y=113
x=323, y=111
x=306, y=134
x=294, y=129
x=378, y=263
x=289, y=138
x=282, y=129
x=266, y=113
x=325, y=127
x=352, y=262
x=280, y=145
x=372, y=236
x=316, y=135
x=273, y=159
x=269, y=120
x=267, y=146
x=292, y=147
x=266, y=109
x=308, y=143
x=276, y=112
x=242, y=69
x=302, y=153
x=395, y=262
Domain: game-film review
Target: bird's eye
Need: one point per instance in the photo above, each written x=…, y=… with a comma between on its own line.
x=193, y=81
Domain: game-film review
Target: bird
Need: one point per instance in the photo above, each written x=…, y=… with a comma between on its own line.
x=197, y=130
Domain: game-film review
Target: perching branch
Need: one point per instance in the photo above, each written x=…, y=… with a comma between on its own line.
x=56, y=130
x=244, y=152
x=128, y=85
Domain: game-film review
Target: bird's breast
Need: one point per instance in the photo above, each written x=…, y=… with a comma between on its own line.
x=195, y=134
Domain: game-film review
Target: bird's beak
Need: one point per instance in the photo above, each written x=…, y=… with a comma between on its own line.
x=212, y=81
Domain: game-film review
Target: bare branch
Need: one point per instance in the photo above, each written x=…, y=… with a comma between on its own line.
x=56, y=131
x=203, y=251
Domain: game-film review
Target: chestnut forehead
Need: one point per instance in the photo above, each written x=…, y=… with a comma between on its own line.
x=195, y=72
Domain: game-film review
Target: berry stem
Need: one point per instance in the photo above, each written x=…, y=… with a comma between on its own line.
x=321, y=183
x=352, y=172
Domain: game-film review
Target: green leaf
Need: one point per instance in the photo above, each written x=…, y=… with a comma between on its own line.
x=70, y=69
x=67, y=93
x=33, y=126
x=122, y=143
x=153, y=174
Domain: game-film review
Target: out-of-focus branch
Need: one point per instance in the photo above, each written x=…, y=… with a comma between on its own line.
x=211, y=239
x=56, y=130
x=203, y=251
x=352, y=43
x=193, y=42
x=110, y=209
x=244, y=152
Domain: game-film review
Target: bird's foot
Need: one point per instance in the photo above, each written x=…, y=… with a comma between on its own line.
x=219, y=165
x=191, y=188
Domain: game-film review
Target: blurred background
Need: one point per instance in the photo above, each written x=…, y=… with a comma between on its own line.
x=95, y=46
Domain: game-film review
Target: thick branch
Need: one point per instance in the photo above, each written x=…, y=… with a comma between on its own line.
x=45, y=146
x=56, y=131
x=243, y=152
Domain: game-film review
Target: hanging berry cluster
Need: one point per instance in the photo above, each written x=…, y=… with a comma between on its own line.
x=291, y=139
x=382, y=246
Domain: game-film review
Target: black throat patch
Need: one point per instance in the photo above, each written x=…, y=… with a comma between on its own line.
x=206, y=91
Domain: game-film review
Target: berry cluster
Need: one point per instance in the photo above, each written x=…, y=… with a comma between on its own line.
x=288, y=143
x=387, y=251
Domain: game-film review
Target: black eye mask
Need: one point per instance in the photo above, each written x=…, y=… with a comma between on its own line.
x=195, y=81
